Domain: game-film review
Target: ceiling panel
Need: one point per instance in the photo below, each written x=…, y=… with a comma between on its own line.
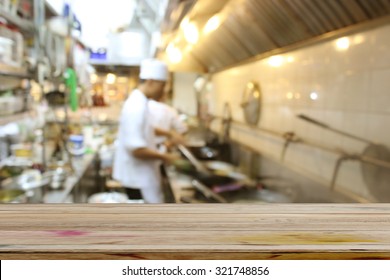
x=253, y=27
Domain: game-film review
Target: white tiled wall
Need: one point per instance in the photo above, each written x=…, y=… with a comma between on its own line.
x=353, y=87
x=184, y=94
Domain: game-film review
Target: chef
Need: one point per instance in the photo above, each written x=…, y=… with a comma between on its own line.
x=167, y=118
x=137, y=160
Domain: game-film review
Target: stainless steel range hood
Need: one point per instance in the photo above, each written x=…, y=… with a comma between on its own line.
x=255, y=28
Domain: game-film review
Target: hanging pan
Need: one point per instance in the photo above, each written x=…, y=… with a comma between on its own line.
x=375, y=162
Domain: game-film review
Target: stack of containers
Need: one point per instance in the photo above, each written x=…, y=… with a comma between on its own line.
x=11, y=46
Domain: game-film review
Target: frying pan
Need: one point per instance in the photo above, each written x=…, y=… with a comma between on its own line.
x=202, y=173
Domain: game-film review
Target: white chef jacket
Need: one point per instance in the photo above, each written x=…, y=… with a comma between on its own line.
x=136, y=131
x=165, y=117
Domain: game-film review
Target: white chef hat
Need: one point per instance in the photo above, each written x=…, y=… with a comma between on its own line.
x=153, y=69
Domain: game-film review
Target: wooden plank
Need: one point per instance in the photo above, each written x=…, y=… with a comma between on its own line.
x=200, y=256
x=271, y=208
x=293, y=231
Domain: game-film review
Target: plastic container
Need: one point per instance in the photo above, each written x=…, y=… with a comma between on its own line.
x=21, y=150
x=11, y=46
x=7, y=105
x=6, y=50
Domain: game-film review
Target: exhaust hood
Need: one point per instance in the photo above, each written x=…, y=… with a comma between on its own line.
x=228, y=32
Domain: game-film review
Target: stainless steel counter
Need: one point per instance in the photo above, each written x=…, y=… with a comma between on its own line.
x=80, y=165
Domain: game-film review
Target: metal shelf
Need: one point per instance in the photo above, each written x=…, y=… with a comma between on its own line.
x=8, y=70
x=23, y=24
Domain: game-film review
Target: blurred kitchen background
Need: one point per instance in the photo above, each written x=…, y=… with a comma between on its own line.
x=292, y=94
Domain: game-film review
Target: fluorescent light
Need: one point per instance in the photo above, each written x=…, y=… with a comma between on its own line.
x=212, y=24
x=276, y=61
x=191, y=33
x=342, y=44
x=290, y=59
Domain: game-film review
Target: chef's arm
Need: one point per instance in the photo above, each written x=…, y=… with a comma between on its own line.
x=172, y=135
x=146, y=153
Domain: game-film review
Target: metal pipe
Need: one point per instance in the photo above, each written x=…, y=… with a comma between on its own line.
x=340, y=152
x=339, y=161
x=325, y=126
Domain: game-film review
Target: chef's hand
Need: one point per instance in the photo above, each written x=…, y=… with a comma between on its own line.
x=170, y=158
x=176, y=138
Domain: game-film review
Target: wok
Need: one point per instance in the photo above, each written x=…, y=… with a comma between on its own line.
x=207, y=177
x=204, y=152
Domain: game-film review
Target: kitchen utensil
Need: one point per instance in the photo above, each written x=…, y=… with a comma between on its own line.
x=325, y=126
x=375, y=163
x=197, y=164
x=207, y=192
x=201, y=173
x=226, y=122
x=30, y=181
x=57, y=177
x=251, y=103
x=220, y=166
x=377, y=178
x=204, y=152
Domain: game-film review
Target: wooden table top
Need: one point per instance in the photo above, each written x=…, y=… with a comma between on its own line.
x=187, y=231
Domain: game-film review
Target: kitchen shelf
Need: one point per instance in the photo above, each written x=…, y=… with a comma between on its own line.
x=8, y=70
x=14, y=118
x=23, y=24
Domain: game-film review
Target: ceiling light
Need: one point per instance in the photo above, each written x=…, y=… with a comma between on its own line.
x=191, y=33
x=110, y=79
x=342, y=44
x=212, y=24
x=276, y=61
x=313, y=96
x=174, y=54
x=94, y=78
x=290, y=59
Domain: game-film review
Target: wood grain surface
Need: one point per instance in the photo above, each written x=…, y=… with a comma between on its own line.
x=209, y=231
